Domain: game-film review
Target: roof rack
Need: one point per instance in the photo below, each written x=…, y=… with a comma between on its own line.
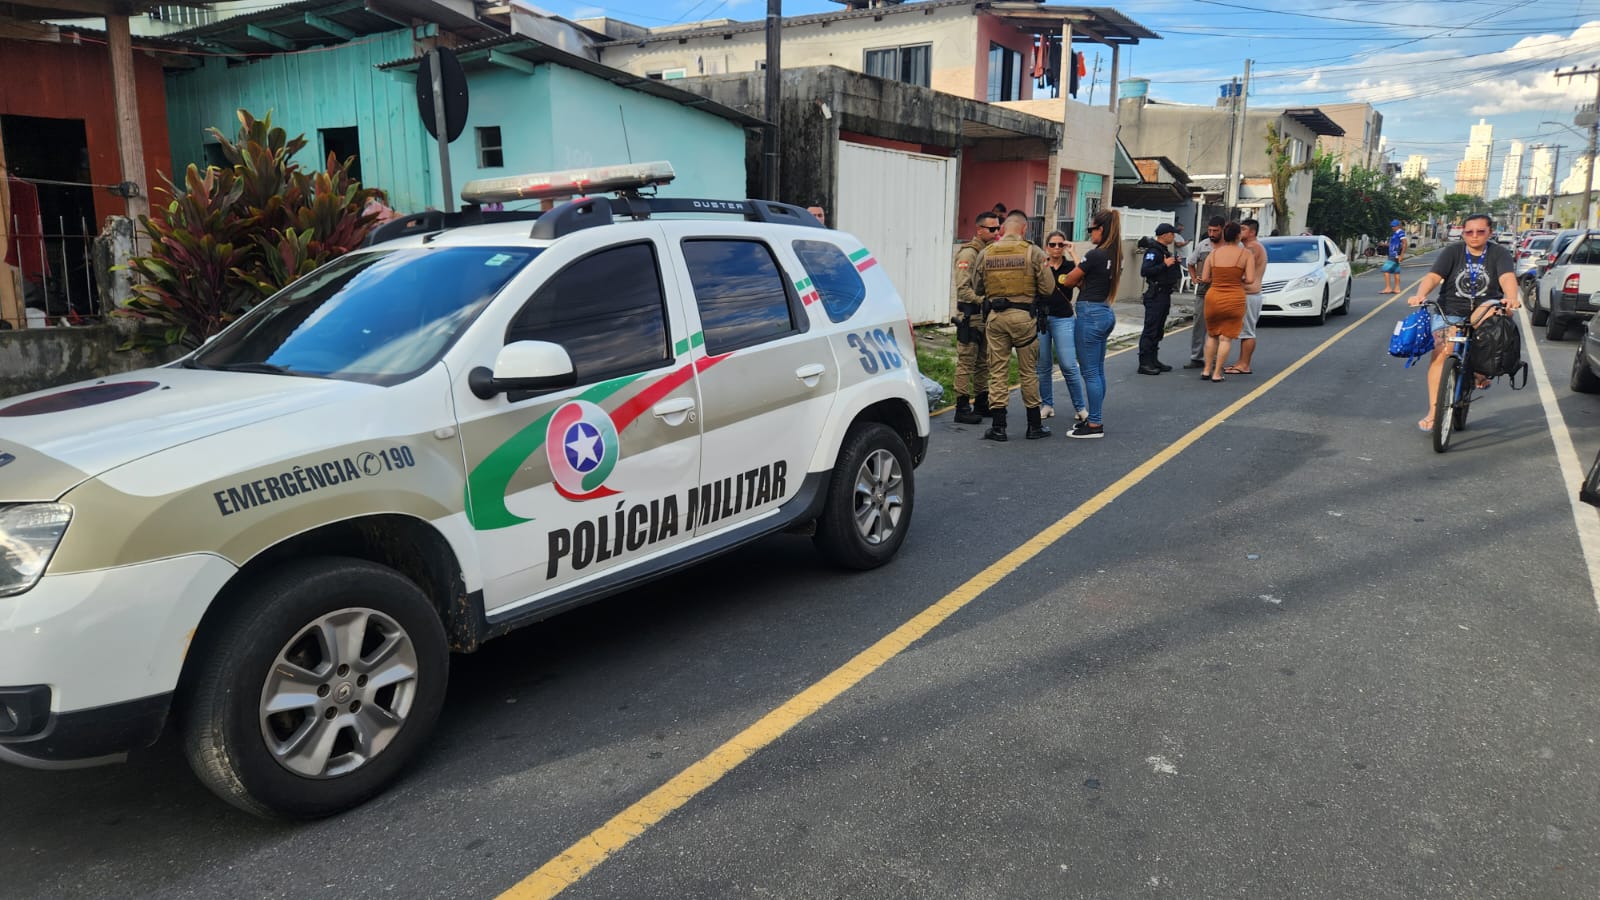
x=589, y=212
x=434, y=221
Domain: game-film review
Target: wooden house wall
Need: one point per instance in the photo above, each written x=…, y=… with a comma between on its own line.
x=73, y=81
x=333, y=87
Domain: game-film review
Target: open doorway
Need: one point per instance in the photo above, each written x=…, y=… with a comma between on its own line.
x=54, y=224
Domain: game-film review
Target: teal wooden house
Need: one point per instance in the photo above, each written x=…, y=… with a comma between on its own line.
x=535, y=108
x=343, y=75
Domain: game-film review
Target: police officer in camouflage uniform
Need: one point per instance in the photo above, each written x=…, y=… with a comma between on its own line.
x=971, y=354
x=1011, y=274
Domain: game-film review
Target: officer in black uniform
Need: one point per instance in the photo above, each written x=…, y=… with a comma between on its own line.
x=1162, y=272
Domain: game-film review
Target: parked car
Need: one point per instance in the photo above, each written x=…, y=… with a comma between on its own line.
x=1561, y=297
x=1306, y=277
x=1586, y=360
x=1533, y=256
x=1455, y=232
x=477, y=421
x=1508, y=238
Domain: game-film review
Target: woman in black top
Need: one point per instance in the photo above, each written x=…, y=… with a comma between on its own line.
x=1056, y=341
x=1096, y=279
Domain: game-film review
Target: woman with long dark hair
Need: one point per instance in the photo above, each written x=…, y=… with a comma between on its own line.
x=1096, y=279
x=1056, y=342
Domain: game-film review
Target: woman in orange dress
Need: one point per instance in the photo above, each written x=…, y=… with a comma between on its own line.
x=1228, y=267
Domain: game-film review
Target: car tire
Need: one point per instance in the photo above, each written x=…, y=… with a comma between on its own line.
x=1344, y=306
x=1535, y=311
x=1555, y=327
x=870, y=498
x=1584, y=380
x=284, y=625
x=1322, y=316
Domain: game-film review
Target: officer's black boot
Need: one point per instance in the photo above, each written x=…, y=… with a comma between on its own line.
x=1036, y=426
x=965, y=414
x=980, y=405
x=1147, y=366
x=1161, y=365
x=997, y=430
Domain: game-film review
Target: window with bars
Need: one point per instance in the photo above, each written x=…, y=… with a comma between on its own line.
x=911, y=64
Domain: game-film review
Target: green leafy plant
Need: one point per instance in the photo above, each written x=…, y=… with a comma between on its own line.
x=1281, y=169
x=232, y=236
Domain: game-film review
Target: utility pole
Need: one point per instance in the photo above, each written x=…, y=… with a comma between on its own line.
x=774, y=141
x=1236, y=175
x=1233, y=126
x=1550, y=200
x=1594, y=132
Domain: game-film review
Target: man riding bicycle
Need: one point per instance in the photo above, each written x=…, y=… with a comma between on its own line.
x=1473, y=272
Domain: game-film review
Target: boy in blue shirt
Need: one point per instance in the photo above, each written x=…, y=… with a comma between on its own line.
x=1391, y=264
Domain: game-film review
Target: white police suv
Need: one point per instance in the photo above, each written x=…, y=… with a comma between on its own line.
x=477, y=421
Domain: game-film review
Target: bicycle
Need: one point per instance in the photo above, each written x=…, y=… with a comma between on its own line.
x=1455, y=393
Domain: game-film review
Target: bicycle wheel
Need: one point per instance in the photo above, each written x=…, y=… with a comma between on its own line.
x=1444, y=404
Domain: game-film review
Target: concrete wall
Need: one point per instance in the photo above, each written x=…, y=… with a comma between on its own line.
x=822, y=104
x=1089, y=138
x=1363, y=127
x=45, y=357
x=841, y=42
x=1196, y=137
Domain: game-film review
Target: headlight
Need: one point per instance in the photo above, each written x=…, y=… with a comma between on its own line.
x=1304, y=281
x=29, y=533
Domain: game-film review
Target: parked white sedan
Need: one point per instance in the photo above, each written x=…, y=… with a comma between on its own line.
x=1307, y=276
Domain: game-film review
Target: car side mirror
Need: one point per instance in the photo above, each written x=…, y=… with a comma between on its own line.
x=524, y=366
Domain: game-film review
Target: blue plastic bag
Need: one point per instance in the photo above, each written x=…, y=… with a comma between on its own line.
x=1413, y=336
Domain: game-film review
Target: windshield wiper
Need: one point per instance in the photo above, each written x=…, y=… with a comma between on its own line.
x=264, y=368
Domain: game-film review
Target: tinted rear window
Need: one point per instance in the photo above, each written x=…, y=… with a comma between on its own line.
x=833, y=276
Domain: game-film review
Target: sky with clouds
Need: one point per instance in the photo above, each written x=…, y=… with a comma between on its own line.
x=1433, y=69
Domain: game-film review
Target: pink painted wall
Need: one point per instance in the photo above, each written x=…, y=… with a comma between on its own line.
x=991, y=29
x=983, y=184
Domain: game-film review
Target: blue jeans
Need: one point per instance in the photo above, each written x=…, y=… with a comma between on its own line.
x=1095, y=321
x=1058, y=337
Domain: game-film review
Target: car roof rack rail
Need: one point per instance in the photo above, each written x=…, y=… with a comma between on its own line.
x=588, y=212
x=434, y=221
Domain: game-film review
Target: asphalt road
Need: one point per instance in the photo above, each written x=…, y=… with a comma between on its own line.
x=1306, y=657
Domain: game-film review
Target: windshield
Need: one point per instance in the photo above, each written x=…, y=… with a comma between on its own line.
x=1540, y=243
x=1292, y=251
x=377, y=317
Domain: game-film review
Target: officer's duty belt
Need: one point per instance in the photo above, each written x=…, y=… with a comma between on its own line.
x=1003, y=303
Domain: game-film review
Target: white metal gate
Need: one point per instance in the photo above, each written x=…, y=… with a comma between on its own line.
x=903, y=206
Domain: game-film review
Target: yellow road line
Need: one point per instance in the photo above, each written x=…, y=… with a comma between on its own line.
x=582, y=857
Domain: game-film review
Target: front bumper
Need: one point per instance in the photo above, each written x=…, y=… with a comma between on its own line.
x=89, y=660
x=1304, y=301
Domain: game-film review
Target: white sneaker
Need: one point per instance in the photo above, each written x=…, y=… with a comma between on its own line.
x=1081, y=415
x=1046, y=411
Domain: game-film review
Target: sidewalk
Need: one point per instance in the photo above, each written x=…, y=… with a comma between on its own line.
x=1130, y=318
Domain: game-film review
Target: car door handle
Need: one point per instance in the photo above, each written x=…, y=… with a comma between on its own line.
x=810, y=374
x=675, y=411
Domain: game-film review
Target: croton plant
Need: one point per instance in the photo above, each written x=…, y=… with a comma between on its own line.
x=231, y=236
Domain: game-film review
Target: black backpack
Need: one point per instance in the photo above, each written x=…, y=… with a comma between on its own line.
x=1497, y=349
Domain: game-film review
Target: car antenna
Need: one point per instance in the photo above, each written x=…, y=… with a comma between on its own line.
x=621, y=114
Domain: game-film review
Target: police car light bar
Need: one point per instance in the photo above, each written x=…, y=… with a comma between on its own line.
x=568, y=183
